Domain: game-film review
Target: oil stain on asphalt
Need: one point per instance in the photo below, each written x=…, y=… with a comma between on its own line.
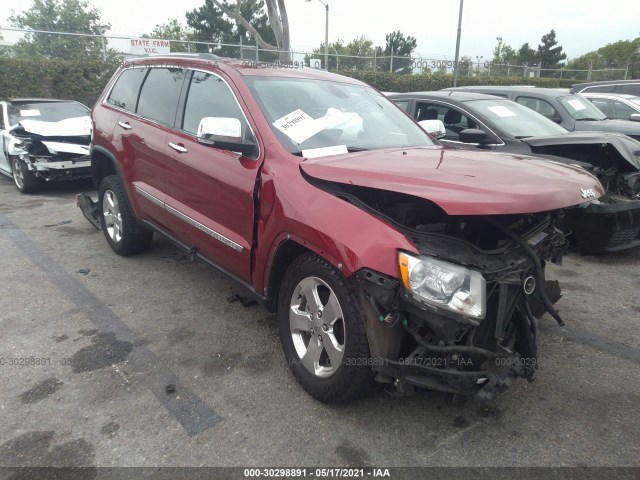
x=41, y=391
x=104, y=352
x=35, y=449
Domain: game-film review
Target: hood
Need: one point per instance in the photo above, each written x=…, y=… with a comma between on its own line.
x=69, y=127
x=609, y=125
x=627, y=149
x=462, y=182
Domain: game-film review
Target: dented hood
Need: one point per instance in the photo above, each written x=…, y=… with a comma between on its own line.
x=69, y=127
x=462, y=182
x=627, y=148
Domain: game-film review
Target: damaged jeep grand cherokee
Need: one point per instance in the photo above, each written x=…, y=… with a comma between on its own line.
x=389, y=259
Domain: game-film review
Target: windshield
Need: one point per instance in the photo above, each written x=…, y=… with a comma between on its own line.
x=310, y=114
x=516, y=120
x=580, y=108
x=45, y=111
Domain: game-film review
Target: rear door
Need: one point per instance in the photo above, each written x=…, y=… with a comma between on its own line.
x=145, y=155
x=210, y=191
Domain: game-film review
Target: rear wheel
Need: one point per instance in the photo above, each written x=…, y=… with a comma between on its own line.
x=24, y=178
x=122, y=230
x=322, y=332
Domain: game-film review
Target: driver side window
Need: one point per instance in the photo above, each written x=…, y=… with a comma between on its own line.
x=210, y=96
x=454, y=120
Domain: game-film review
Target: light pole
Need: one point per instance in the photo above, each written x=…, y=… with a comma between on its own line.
x=455, y=61
x=326, y=34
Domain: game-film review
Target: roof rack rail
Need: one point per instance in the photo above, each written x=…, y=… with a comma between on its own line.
x=208, y=56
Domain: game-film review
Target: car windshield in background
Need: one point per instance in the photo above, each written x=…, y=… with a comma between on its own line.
x=308, y=114
x=45, y=111
x=581, y=109
x=516, y=120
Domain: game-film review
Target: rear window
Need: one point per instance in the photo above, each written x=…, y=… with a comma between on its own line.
x=160, y=93
x=125, y=92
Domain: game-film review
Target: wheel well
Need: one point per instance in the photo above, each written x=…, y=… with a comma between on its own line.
x=287, y=252
x=101, y=166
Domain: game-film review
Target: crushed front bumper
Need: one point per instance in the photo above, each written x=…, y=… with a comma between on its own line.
x=605, y=227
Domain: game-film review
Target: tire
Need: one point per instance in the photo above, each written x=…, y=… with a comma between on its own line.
x=23, y=178
x=122, y=230
x=311, y=342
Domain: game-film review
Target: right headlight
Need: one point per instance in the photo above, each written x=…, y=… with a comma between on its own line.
x=444, y=284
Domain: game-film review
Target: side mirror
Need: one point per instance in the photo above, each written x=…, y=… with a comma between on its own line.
x=635, y=117
x=224, y=133
x=434, y=127
x=474, y=135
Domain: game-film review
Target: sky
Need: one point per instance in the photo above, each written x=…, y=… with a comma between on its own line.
x=581, y=26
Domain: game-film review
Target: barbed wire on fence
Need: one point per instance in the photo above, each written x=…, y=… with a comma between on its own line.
x=20, y=42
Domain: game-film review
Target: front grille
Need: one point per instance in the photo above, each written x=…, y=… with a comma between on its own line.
x=623, y=237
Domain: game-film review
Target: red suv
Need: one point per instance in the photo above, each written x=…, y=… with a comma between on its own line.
x=390, y=259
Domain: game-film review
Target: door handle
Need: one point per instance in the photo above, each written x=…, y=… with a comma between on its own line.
x=124, y=125
x=178, y=148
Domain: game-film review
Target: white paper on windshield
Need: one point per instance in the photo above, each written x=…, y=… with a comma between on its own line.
x=577, y=105
x=350, y=123
x=502, y=111
x=325, y=151
x=30, y=113
x=298, y=126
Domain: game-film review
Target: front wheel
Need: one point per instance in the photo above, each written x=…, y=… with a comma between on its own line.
x=120, y=227
x=24, y=178
x=322, y=332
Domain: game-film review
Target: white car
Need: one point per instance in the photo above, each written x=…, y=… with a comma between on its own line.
x=616, y=105
x=44, y=140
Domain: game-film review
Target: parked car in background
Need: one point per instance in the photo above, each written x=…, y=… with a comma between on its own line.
x=44, y=140
x=389, y=259
x=616, y=105
x=486, y=122
x=571, y=111
x=629, y=87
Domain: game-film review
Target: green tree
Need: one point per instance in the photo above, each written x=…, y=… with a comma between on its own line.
x=402, y=49
x=210, y=26
x=177, y=33
x=620, y=54
x=527, y=55
x=504, y=54
x=550, y=54
x=71, y=16
x=253, y=12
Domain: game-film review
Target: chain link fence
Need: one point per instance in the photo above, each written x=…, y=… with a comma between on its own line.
x=18, y=42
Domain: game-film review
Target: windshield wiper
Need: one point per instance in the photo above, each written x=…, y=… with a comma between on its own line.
x=520, y=137
x=588, y=119
x=356, y=149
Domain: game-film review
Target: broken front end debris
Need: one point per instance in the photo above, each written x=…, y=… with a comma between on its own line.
x=53, y=151
x=462, y=318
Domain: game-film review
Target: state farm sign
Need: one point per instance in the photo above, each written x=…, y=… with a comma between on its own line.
x=145, y=46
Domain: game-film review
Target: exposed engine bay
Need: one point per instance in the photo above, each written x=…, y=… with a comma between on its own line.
x=614, y=159
x=418, y=343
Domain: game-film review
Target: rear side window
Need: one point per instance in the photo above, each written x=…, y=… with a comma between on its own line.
x=125, y=92
x=210, y=96
x=160, y=93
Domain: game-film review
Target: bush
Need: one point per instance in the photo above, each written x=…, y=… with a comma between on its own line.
x=40, y=77
x=392, y=82
x=84, y=80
